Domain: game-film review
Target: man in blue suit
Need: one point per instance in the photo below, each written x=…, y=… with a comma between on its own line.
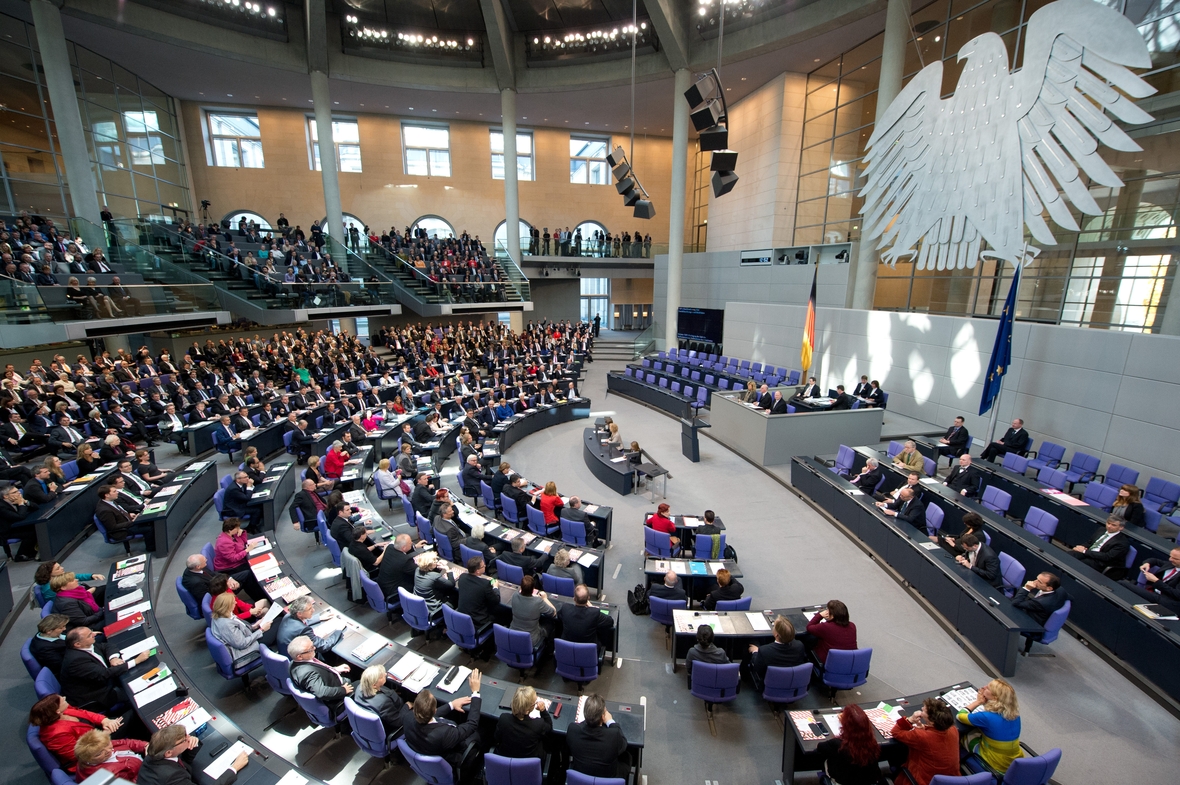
x=225, y=434
x=236, y=503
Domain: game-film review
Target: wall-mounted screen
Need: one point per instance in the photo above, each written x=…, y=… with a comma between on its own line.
x=700, y=324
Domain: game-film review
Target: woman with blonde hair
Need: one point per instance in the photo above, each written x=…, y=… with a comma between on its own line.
x=521, y=732
x=562, y=567
x=384, y=479
x=374, y=694
x=431, y=582
x=615, y=437
x=994, y=716
x=550, y=503
x=95, y=752
x=751, y=393
x=86, y=459
x=238, y=636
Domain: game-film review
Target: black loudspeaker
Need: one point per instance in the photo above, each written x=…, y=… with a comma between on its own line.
x=644, y=209
x=723, y=183
x=701, y=91
x=616, y=157
x=715, y=138
x=707, y=116
x=632, y=197
x=723, y=161
x=624, y=185
x=621, y=171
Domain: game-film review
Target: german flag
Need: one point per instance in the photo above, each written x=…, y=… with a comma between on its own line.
x=808, y=346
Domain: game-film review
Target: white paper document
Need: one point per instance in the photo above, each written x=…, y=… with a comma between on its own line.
x=273, y=612
x=195, y=720
x=125, y=600
x=142, y=607
x=155, y=692
x=134, y=650
x=758, y=622
x=406, y=665
x=223, y=761
x=292, y=777
x=587, y=559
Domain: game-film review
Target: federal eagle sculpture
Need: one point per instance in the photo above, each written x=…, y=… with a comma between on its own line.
x=963, y=176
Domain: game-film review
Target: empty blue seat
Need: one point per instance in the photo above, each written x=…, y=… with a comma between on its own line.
x=1161, y=495
x=1100, y=495
x=1040, y=523
x=1081, y=469
x=577, y=662
x=1012, y=574
x=1118, y=475
x=995, y=499
x=1049, y=455
x=846, y=668
x=1016, y=463
x=515, y=648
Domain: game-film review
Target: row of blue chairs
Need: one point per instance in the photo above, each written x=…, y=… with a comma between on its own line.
x=696, y=397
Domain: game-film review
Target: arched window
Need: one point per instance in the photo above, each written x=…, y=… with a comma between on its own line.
x=589, y=247
x=500, y=238
x=236, y=215
x=436, y=227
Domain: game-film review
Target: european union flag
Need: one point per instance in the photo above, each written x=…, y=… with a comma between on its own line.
x=1002, y=351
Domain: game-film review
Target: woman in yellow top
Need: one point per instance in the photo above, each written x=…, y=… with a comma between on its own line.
x=910, y=459
x=995, y=716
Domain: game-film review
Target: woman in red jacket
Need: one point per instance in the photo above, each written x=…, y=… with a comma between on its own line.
x=96, y=751
x=61, y=725
x=932, y=740
x=334, y=461
x=832, y=629
x=662, y=522
x=550, y=503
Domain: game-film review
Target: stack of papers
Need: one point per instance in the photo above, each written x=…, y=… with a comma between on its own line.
x=758, y=622
x=135, y=649
x=587, y=559
x=222, y=762
x=125, y=600
x=152, y=677
x=155, y=692
x=265, y=566
x=406, y=665
x=422, y=677
x=168, y=491
x=131, y=610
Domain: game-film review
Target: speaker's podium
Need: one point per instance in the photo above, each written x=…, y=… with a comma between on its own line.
x=690, y=443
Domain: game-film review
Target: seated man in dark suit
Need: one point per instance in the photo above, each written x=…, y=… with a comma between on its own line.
x=869, y=476
x=765, y=401
x=87, y=681
x=1107, y=552
x=299, y=621
x=810, y=390
x=119, y=523
x=1015, y=439
x=48, y=646
x=905, y=508
x=478, y=599
x=670, y=589
x=842, y=400
x=597, y=745
x=862, y=388
x=964, y=478
x=779, y=406
x=236, y=502
x=1039, y=598
x=225, y=433
x=956, y=441
x=783, y=652
x=197, y=575
x=14, y=510
x=397, y=567
x=518, y=558
x=980, y=559
x=1162, y=581
x=326, y=683
x=515, y=491
x=472, y=475
x=429, y=732
x=574, y=512
x=302, y=441
x=583, y=623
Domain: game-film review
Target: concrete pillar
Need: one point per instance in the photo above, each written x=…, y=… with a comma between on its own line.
x=676, y=207
x=516, y=321
x=59, y=78
x=113, y=343
x=316, y=21
x=511, y=189
x=863, y=275
x=348, y=325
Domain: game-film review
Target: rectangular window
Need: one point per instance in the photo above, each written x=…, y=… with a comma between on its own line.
x=106, y=145
x=588, y=160
x=524, y=155
x=427, y=150
x=346, y=137
x=235, y=140
x=143, y=138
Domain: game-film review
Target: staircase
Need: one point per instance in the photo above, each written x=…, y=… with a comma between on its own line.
x=614, y=350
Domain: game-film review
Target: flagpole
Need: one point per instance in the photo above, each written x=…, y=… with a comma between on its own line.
x=995, y=415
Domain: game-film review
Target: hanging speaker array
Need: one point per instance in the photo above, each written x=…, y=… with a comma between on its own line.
x=710, y=116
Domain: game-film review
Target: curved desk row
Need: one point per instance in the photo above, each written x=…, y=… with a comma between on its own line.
x=178, y=502
x=495, y=692
x=607, y=463
x=661, y=398
x=216, y=732
x=509, y=432
x=1102, y=609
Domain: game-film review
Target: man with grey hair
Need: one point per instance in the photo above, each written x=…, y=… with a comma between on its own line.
x=302, y=441
x=397, y=567
x=472, y=475
x=300, y=619
x=197, y=575
x=574, y=512
x=309, y=674
x=869, y=477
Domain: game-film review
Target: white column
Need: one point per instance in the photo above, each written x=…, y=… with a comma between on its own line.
x=59, y=78
x=676, y=207
x=511, y=189
x=863, y=276
x=322, y=101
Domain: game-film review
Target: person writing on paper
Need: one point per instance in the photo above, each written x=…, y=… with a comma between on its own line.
x=430, y=731
x=239, y=637
x=521, y=733
x=300, y=620
x=994, y=719
x=375, y=694
x=783, y=652
x=168, y=760
x=932, y=740
x=615, y=437
x=981, y=560
x=704, y=651
x=60, y=725
x=851, y=758
x=309, y=674
x=597, y=745
x=86, y=679
x=728, y=588
x=95, y=751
